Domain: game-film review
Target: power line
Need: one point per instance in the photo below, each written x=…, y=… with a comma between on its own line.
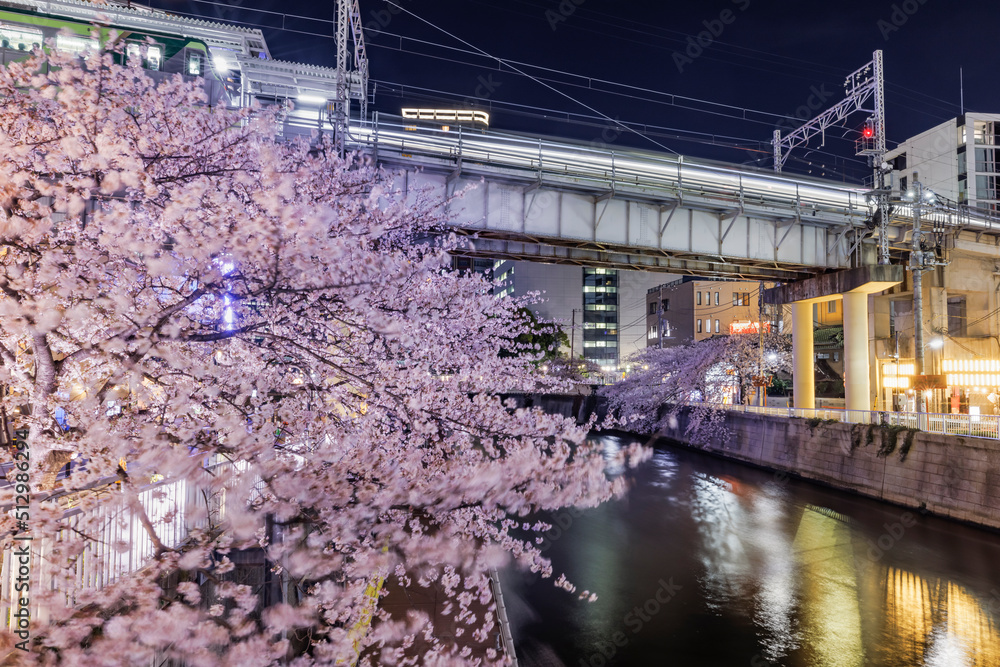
x=535, y=79
x=587, y=82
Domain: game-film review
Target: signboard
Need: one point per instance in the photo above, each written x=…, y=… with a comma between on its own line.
x=748, y=327
x=450, y=115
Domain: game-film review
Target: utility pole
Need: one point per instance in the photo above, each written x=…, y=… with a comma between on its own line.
x=572, y=337
x=760, y=345
x=659, y=320
x=862, y=85
x=352, y=82
x=920, y=261
x=917, y=266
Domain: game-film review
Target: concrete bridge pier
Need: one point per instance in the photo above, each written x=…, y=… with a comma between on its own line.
x=857, y=368
x=803, y=377
x=853, y=286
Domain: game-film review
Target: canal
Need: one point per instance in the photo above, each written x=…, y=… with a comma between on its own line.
x=710, y=562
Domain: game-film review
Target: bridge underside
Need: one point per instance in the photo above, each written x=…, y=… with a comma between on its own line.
x=511, y=214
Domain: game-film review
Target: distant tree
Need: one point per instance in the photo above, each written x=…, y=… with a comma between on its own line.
x=540, y=340
x=200, y=302
x=695, y=377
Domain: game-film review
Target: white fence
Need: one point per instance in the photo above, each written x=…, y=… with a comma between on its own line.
x=976, y=426
x=118, y=544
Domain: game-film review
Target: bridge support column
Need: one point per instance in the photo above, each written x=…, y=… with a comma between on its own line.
x=803, y=369
x=856, y=364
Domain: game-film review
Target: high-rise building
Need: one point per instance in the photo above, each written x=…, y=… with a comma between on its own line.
x=601, y=310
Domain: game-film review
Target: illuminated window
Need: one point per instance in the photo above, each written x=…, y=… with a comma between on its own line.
x=831, y=306
x=193, y=64
x=699, y=326
x=17, y=37
x=154, y=56
x=76, y=44
x=716, y=326
x=698, y=298
x=716, y=298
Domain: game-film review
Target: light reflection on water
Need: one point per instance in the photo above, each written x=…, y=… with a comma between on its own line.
x=773, y=572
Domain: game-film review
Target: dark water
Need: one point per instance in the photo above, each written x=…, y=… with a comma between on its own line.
x=708, y=562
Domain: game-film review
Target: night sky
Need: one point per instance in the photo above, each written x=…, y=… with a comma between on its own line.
x=720, y=97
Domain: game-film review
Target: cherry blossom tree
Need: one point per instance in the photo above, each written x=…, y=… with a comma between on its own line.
x=186, y=298
x=695, y=377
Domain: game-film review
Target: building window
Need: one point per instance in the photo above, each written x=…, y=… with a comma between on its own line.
x=903, y=183
x=716, y=326
x=836, y=356
x=652, y=309
x=736, y=299
x=983, y=132
x=699, y=326
x=698, y=298
x=666, y=305
x=708, y=298
x=956, y=316
x=831, y=306
x=716, y=298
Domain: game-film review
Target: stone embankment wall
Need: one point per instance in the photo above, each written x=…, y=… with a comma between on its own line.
x=953, y=476
x=579, y=406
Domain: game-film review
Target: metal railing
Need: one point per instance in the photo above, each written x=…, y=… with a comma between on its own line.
x=612, y=169
x=975, y=426
x=118, y=543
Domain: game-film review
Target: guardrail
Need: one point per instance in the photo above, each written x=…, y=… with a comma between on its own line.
x=975, y=426
x=506, y=638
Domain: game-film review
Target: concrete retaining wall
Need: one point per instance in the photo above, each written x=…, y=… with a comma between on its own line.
x=948, y=475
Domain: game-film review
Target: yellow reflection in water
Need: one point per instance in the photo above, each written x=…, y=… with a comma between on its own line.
x=831, y=617
x=937, y=624
x=973, y=627
x=908, y=614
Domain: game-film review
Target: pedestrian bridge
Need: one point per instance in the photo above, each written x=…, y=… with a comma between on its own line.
x=537, y=199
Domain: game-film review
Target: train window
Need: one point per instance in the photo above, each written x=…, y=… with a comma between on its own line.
x=76, y=44
x=154, y=55
x=19, y=38
x=193, y=66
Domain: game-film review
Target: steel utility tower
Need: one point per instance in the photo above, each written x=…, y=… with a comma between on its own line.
x=351, y=83
x=860, y=86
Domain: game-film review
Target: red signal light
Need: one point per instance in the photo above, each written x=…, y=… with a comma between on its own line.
x=868, y=132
